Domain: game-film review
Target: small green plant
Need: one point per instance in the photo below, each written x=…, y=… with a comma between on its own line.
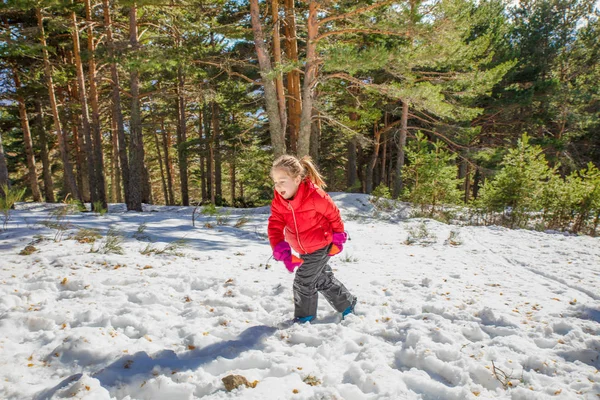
x=171, y=248
x=223, y=219
x=99, y=208
x=140, y=233
x=58, y=220
x=244, y=219
x=382, y=198
x=8, y=198
x=210, y=210
x=420, y=235
x=85, y=235
x=112, y=244
x=347, y=258
x=29, y=249
x=454, y=239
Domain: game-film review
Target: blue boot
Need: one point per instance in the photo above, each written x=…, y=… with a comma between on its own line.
x=303, y=320
x=349, y=310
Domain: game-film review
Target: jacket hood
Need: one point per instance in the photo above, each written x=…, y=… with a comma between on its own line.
x=305, y=189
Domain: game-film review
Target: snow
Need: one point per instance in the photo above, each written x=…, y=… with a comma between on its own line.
x=434, y=320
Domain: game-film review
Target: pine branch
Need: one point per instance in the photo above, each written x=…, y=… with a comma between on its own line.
x=355, y=12
x=360, y=30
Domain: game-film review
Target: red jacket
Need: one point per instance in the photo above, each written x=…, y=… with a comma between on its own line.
x=307, y=221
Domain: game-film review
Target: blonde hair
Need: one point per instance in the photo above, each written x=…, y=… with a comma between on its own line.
x=303, y=167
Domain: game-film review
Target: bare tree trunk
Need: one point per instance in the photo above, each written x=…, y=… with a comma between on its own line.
x=28, y=142
x=465, y=173
x=89, y=150
x=315, y=138
x=216, y=151
x=373, y=160
x=294, y=97
x=4, y=181
x=46, y=167
x=96, y=135
x=162, y=170
x=209, y=159
x=399, y=183
x=136, y=144
x=166, y=141
x=384, y=160
x=82, y=171
x=351, y=166
x=277, y=60
x=182, y=139
x=115, y=179
x=116, y=102
x=70, y=185
x=310, y=80
x=202, y=142
x=277, y=129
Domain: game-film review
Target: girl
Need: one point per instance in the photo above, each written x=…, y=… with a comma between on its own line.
x=304, y=218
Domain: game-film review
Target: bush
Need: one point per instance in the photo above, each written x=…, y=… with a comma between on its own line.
x=431, y=176
x=517, y=189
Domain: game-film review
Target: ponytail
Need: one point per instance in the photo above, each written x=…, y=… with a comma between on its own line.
x=303, y=167
x=311, y=172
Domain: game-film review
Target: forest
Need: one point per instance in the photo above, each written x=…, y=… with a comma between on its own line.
x=491, y=104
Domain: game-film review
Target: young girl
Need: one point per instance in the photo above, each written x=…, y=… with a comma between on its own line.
x=304, y=218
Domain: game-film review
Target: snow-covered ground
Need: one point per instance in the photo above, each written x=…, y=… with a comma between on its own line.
x=459, y=313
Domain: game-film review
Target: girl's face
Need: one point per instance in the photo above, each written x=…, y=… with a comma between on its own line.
x=285, y=185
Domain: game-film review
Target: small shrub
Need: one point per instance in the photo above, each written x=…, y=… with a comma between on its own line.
x=140, y=233
x=29, y=249
x=420, y=235
x=112, y=244
x=85, y=235
x=8, y=198
x=454, y=239
x=244, y=219
x=99, y=208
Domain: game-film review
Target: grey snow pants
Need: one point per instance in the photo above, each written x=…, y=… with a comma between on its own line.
x=313, y=277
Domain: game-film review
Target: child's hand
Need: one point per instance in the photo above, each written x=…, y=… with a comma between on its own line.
x=337, y=244
x=283, y=252
x=293, y=262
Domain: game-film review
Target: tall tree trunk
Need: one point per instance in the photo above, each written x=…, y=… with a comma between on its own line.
x=216, y=151
x=209, y=159
x=83, y=181
x=373, y=160
x=136, y=143
x=96, y=134
x=465, y=173
x=44, y=154
x=315, y=137
x=401, y=144
x=115, y=179
x=277, y=129
x=182, y=139
x=277, y=60
x=70, y=185
x=27, y=141
x=232, y=171
x=166, y=140
x=384, y=159
x=294, y=97
x=351, y=166
x=310, y=80
x=3, y=170
x=163, y=179
x=201, y=151
x=116, y=101
x=85, y=117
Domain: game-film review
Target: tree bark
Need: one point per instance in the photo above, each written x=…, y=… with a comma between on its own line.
x=373, y=160
x=294, y=97
x=4, y=181
x=117, y=112
x=384, y=160
x=276, y=127
x=115, y=179
x=163, y=178
x=136, y=144
x=27, y=142
x=96, y=134
x=315, y=137
x=166, y=141
x=85, y=117
x=44, y=154
x=401, y=144
x=216, y=151
x=310, y=80
x=201, y=151
x=83, y=181
x=277, y=60
x=351, y=168
x=69, y=177
x=182, y=139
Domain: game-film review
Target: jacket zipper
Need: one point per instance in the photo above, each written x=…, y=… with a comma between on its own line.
x=296, y=226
